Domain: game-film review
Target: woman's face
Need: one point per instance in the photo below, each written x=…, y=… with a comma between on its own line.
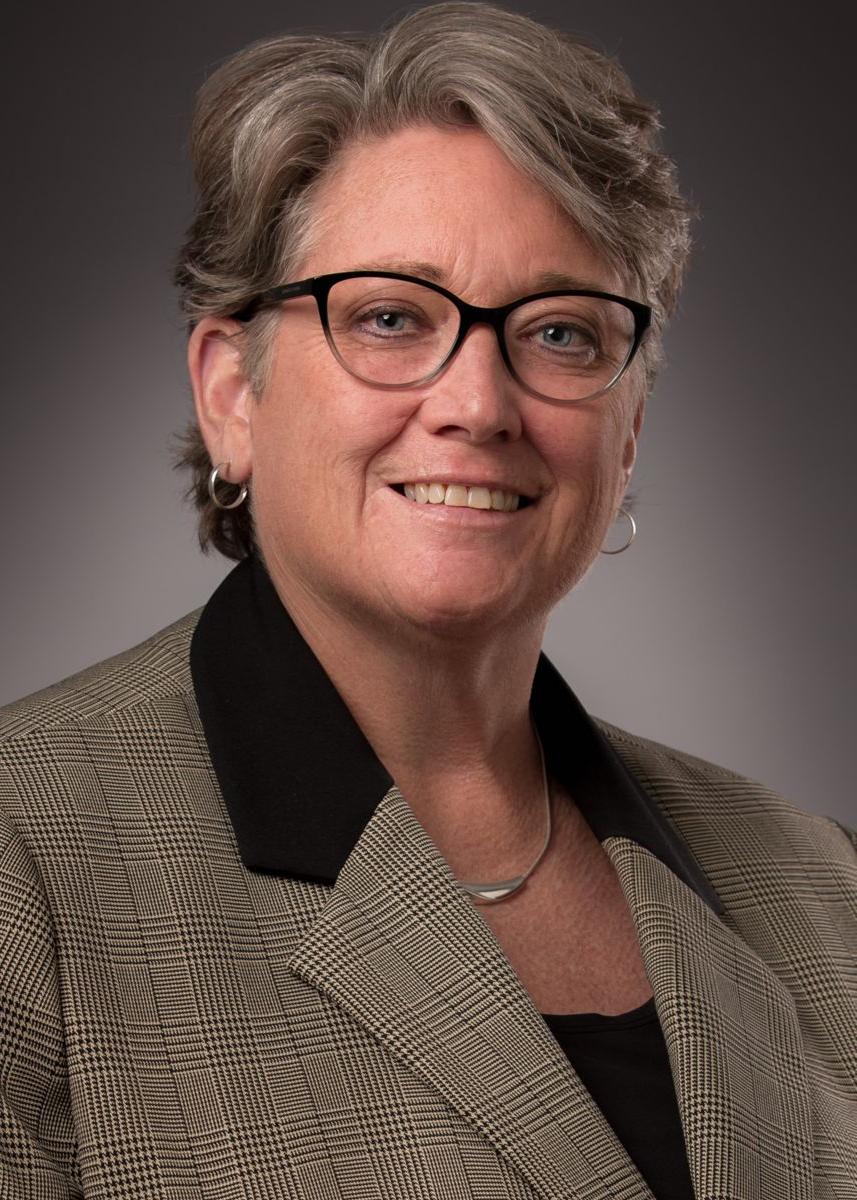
x=326, y=448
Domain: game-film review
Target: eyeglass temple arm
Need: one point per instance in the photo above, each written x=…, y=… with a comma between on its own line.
x=275, y=295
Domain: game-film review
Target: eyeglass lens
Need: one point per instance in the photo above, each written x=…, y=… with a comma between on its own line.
x=394, y=332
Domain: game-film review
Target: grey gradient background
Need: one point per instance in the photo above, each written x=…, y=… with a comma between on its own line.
x=726, y=629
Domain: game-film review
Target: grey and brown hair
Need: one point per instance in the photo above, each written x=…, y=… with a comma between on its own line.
x=270, y=121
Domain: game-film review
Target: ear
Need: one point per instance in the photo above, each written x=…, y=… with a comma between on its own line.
x=629, y=452
x=222, y=395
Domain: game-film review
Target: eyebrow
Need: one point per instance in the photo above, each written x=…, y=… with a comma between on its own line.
x=406, y=266
x=545, y=281
x=560, y=280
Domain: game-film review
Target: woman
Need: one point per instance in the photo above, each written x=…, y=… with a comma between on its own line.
x=332, y=888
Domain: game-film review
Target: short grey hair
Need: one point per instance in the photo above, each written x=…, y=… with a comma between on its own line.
x=271, y=121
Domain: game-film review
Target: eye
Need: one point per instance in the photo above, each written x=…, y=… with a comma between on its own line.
x=384, y=321
x=557, y=335
x=390, y=321
x=566, y=337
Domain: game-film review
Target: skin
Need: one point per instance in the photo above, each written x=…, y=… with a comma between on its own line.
x=429, y=620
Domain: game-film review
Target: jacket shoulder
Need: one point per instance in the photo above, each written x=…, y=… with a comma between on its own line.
x=714, y=805
x=656, y=757
x=150, y=671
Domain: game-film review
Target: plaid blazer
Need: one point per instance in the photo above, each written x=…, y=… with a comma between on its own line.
x=175, y=1026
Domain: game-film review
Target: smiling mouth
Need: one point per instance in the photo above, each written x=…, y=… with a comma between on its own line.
x=455, y=495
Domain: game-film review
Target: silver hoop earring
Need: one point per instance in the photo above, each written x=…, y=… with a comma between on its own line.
x=212, y=480
x=633, y=525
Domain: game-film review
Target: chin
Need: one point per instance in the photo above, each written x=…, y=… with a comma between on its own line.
x=455, y=611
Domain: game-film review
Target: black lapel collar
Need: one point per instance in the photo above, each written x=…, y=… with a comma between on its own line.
x=611, y=799
x=301, y=781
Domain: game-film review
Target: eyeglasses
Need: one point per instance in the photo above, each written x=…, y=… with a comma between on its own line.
x=395, y=331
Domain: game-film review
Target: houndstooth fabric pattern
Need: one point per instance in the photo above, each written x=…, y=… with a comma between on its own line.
x=175, y=1026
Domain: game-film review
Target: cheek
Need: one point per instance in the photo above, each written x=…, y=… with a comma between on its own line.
x=584, y=447
x=317, y=430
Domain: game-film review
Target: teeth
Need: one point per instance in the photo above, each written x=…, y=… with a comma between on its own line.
x=456, y=495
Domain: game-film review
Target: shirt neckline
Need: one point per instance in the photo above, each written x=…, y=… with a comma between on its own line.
x=595, y=1022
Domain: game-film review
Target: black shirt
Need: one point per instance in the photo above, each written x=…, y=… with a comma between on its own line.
x=623, y=1062
x=300, y=782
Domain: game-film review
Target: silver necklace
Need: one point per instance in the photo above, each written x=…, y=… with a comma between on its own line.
x=491, y=893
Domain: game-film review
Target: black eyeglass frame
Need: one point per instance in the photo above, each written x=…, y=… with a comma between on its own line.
x=319, y=286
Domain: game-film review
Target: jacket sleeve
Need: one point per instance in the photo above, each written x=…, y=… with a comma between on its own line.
x=38, y=1158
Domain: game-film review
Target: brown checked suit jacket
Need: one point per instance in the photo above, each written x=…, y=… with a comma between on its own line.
x=176, y=1026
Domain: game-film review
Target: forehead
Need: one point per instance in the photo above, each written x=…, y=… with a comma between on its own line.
x=450, y=200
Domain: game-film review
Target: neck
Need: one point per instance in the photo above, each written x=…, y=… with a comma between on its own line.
x=449, y=719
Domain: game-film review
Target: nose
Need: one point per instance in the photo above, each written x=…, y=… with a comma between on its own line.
x=474, y=399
